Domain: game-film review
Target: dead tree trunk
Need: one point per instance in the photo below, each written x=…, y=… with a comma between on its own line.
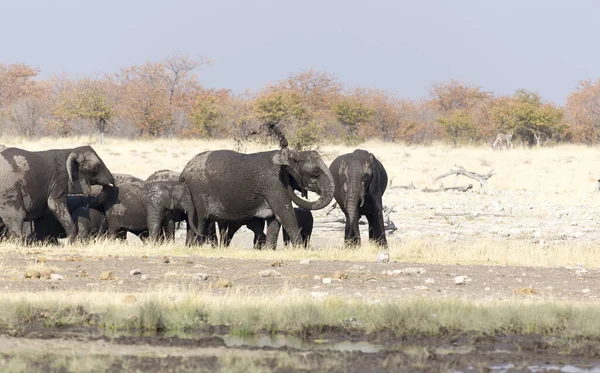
x=460, y=170
x=442, y=188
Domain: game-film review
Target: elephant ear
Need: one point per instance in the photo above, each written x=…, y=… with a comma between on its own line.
x=374, y=187
x=77, y=182
x=285, y=157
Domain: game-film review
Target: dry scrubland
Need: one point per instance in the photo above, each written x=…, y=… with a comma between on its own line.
x=534, y=231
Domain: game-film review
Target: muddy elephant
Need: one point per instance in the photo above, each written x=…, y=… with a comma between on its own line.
x=90, y=223
x=125, y=178
x=33, y=183
x=360, y=181
x=232, y=187
x=143, y=207
x=164, y=175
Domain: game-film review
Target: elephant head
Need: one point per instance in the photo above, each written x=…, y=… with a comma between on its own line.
x=86, y=168
x=305, y=171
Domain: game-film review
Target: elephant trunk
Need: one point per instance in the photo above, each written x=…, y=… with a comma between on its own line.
x=190, y=209
x=353, y=200
x=324, y=188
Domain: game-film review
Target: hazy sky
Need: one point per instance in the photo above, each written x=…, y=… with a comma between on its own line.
x=401, y=46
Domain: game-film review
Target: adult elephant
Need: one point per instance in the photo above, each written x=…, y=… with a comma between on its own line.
x=233, y=187
x=90, y=223
x=360, y=181
x=32, y=183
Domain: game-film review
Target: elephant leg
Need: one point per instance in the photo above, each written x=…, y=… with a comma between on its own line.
x=226, y=232
x=210, y=232
x=59, y=208
x=379, y=228
x=14, y=222
x=286, y=237
x=371, y=227
x=286, y=216
x=273, y=227
x=257, y=225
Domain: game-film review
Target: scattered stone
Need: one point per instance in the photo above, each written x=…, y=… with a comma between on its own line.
x=429, y=281
x=92, y=284
x=189, y=261
x=129, y=299
x=327, y=280
x=145, y=277
x=40, y=259
x=487, y=289
x=121, y=282
x=200, y=266
x=585, y=291
x=72, y=258
x=144, y=257
x=134, y=272
x=165, y=259
x=106, y=275
x=339, y=275
x=200, y=277
x=358, y=267
x=269, y=273
x=82, y=274
x=461, y=280
x=56, y=277
x=414, y=271
x=319, y=294
x=383, y=257
x=420, y=287
x=277, y=263
x=316, y=277
x=224, y=283
x=581, y=272
x=518, y=279
x=305, y=261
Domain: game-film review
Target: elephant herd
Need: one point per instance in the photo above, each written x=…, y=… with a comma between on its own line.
x=58, y=193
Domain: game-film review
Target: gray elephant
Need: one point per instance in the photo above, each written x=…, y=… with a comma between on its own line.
x=360, y=181
x=142, y=208
x=90, y=223
x=227, y=186
x=35, y=182
x=164, y=175
x=125, y=178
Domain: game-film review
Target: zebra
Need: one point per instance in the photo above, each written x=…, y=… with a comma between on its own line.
x=503, y=141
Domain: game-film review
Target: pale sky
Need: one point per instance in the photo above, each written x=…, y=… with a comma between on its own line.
x=546, y=46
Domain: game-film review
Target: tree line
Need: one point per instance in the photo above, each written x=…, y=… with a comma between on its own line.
x=167, y=99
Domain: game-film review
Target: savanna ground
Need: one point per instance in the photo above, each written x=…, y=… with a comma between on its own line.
x=528, y=251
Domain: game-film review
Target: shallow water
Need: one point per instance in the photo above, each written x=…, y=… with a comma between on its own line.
x=297, y=343
x=509, y=367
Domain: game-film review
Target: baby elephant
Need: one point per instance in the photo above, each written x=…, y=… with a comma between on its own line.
x=305, y=222
x=89, y=222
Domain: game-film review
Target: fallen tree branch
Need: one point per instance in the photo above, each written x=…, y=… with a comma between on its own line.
x=410, y=186
x=460, y=170
x=469, y=214
x=442, y=188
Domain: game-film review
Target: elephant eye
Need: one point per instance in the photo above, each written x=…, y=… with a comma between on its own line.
x=316, y=171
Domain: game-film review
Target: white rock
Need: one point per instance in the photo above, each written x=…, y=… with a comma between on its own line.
x=327, y=280
x=581, y=272
x=585, y=291
x=56, y=277
x=120, y=282
x=305, y=261
x=316, y=277
x=200, y=277
x=319, y=294
x=414, y=271
x=358, y=267
x=429, y=281
x=461, y=280
x=269, y=273
x=145, y=277
x=383, y=257
x=199, y=266
x=134, y=272
x=420, y=287
x=92, y=284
